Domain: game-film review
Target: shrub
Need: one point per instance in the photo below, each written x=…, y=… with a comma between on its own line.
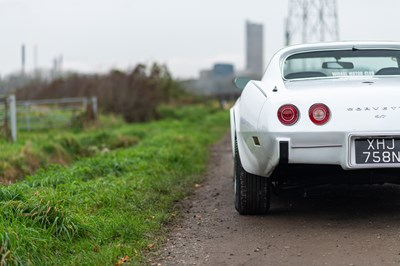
x=135, y=95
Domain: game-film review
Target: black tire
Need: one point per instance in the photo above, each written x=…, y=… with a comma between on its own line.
x=252, y=192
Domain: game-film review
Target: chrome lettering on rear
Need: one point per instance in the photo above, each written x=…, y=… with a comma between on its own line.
x=376, y=108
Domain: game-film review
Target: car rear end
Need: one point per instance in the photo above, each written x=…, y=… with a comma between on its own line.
x=338, y=111
x=349, y=123
x=322, y=114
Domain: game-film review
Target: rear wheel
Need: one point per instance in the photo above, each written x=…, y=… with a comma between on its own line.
x=252, y=192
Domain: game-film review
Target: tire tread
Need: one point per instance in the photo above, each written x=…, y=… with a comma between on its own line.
x=252, y=191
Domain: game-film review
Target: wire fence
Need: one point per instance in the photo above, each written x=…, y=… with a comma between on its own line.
x=3, y=112
x=54, y=113
x=44, y=114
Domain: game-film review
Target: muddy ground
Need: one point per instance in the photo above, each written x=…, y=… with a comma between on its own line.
x=331, y=225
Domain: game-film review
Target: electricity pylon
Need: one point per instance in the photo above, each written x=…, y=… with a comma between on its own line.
x=311, y=21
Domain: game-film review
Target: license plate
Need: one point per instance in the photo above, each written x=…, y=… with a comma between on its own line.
x=377, y=150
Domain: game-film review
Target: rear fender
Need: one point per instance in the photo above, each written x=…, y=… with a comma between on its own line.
x=246, y=115
x=234, y=127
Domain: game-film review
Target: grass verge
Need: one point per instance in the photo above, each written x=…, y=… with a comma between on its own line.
x=110, y=207
x=38, y=149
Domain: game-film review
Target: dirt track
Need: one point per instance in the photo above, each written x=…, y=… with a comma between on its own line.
x=342, y=225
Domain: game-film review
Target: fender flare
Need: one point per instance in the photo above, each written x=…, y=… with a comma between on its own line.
x=234, y=128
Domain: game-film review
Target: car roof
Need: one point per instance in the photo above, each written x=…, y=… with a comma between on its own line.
x=338, y=45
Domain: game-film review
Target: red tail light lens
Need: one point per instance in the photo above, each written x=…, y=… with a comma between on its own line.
x=319, y=114
x=288, y=114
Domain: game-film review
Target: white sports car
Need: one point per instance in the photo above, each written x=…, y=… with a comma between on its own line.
x=322, y=113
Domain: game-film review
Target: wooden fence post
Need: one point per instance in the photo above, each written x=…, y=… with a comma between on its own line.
x=13, y=117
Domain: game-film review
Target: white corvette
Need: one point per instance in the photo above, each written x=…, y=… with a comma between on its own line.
x=322, y=113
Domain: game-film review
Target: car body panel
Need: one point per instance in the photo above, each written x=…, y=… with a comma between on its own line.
x=367, y=106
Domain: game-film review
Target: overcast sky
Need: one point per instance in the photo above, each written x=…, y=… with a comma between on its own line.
x=187, y=35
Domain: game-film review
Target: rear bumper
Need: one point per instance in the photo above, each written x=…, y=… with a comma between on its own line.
x=303, y=148
x=313, y=174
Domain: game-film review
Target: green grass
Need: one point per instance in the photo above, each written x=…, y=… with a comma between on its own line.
x=109, y=205
x=37, y=149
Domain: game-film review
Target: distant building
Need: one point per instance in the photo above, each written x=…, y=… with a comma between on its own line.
x=217, y=82
x=205, y=74
x=222, y=79
x=223, y=70
x=254, y=49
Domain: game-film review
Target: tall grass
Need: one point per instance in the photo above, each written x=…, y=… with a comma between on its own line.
x=111, y=205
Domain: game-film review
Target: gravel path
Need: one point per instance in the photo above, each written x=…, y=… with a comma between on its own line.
x=332, y=225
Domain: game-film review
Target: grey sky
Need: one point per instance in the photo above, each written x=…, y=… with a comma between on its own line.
x=96, y=35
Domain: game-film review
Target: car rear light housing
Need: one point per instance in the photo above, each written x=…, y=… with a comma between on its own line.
x=319, y=114
x=288, y=114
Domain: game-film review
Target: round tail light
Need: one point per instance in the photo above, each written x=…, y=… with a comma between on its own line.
x=288, y=114
x=319, y=114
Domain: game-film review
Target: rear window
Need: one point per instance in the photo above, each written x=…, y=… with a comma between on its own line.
x=342, y=63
